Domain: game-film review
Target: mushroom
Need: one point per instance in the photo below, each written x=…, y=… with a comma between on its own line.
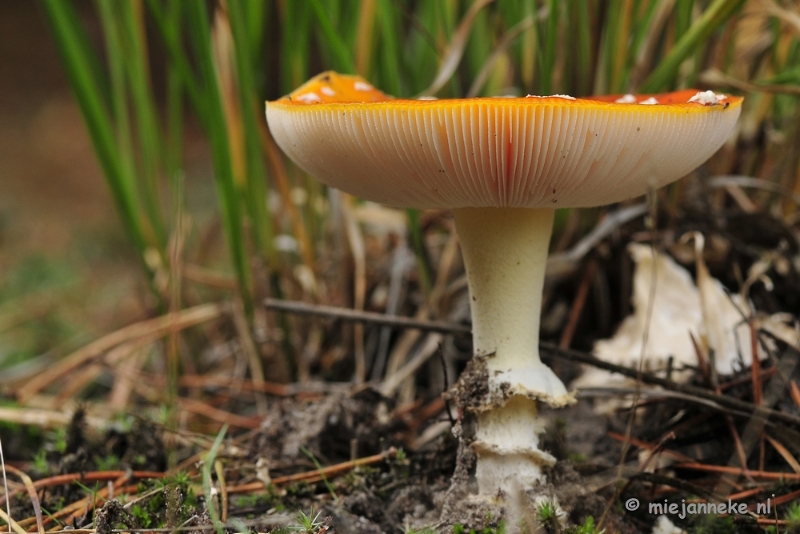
x=502, y=165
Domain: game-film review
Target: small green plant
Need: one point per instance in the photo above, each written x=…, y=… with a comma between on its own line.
x=40, y=464
x=108, y=463
x=792, y=518
x=60, y=440
x=328, y=485
x=308, y=524
x=588, y=527
x=712, y=524
x=577, y=457
x=143, y=517
x=356, y=479
x=181, y=478
x=547, y=513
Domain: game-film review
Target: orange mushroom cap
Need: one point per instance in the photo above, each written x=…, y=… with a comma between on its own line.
x=553, y=151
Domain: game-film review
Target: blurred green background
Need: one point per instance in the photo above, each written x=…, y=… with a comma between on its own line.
x=199, y=204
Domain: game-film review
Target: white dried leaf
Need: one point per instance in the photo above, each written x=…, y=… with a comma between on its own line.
x=664, y=526
x=679, y=308
x=675, y=312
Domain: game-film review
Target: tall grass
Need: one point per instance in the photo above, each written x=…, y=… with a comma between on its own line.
x=225, y=58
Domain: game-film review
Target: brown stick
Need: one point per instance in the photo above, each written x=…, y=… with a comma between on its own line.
x=37, y=507
x=215, y=414
x=795, y=393
x=158, y=326
x=347, y=314
x=318, y=474
x=577, y=306
x=769, y=475
x=98, y=476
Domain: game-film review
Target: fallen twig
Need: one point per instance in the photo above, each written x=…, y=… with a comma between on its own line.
x=156, y=327
x=744, y=408
x=13, y=525
x=317, y=474
x=215, y=414
x=97, y=476
x=346, y=314
x=726, y=470
x=37, y=507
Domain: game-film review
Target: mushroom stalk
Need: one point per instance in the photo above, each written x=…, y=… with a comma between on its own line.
x=505, y=254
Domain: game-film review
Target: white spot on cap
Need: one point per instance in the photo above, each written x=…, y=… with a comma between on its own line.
x=309, y=98
x=362, y=86
x=551, y=96
x=626, y=99
x=650, y=101
x=720, y=96
x=707, y=98
x=327, y=91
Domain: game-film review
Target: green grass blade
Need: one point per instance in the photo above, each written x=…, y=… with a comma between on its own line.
x=712, y=18
x=340, y=56
x=170, y=32
x=547, y=53
x=208, y=465
x=619, y=56
x=199, y=31
x=78, y=60
x=421, y=52
x=390, y=38
x=255, y=176
x=149, y=135
x=683, y=16
x=583, y=33
x=256, y=23
x=296, y=36
x=642, y=29
x=365, y=37
x=455, y=49
x=173, y=160
x=424, y=269
x=499, y=50
x=479, y=45
x=116, y=69
x=530, y=53
x=119, y=99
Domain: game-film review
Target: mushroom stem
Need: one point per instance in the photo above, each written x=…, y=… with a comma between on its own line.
x=505, y=254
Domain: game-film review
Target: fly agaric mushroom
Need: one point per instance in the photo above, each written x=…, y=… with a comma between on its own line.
x=502, y=165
